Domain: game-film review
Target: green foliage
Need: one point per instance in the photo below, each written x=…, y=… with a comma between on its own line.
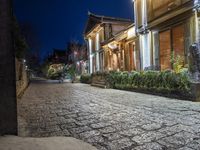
x=55, y=71
x=113, y=78
x=44, y=68
x=86, y=78
x=71, y=70
x=168, y=80
x=177, y=62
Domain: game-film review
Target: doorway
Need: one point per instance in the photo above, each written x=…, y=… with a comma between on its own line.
x=171, y=41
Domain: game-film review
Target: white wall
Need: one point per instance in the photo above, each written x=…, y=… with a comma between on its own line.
x=156, y=49
x=97, y=49
x=90, y=55
x=145, y=45
x=131, y=33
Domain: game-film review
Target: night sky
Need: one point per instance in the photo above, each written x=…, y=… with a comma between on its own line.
x=60, y=21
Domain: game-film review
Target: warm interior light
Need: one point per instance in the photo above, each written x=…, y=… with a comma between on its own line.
x=112, y=46
x=131, y=32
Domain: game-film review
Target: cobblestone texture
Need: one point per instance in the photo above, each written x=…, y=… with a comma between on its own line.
x=109, y=119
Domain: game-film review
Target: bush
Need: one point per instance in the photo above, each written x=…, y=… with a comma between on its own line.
x=167, y=81
x=86, y=78
x=53, y=74
x=55, y=71
x=99, y=76
x=178, y=62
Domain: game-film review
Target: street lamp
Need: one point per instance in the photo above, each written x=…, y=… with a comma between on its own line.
x=75, y=53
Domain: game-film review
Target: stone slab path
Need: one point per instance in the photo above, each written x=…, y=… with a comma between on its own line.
x=109, y=119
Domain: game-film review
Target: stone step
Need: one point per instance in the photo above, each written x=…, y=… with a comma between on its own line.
x=99, y=82
x=99, y=85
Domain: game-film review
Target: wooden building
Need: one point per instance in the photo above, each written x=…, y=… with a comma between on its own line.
x=100, y=29
x=165, y=28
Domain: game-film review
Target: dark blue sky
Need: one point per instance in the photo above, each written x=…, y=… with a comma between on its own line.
x=59, y=21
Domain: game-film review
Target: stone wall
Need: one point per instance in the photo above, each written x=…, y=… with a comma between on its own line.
x=8, y=106
x=22, y=77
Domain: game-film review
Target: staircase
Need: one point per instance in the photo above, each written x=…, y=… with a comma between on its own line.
x=99, y=83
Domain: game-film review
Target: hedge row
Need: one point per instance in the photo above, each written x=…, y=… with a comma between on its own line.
x=158, y=81
x=151, y=80
x=86, y=78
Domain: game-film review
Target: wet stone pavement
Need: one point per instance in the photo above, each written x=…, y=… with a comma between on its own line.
x=109, y=119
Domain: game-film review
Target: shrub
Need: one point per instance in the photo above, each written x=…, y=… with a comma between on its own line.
x=55, y=71
x=149, y=79
x=178, y=62
x=86, y=78
x=168, y=81
x=113, y=78
x=53, y=74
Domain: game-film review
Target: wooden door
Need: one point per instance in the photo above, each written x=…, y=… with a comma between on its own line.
x=165, y=50
x=131, y=57
x=126, y=57
x=178, y=40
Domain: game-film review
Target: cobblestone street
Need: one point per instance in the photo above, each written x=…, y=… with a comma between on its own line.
x=109, y=119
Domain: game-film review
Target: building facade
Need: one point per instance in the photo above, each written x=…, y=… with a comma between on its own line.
x=165, y=28
x=100, y=29
x=162, y=32
x=122, y=52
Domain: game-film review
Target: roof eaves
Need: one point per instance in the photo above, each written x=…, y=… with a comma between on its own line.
x=109, y=18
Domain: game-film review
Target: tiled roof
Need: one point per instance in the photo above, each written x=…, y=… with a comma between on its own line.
x=94, y=19
x=104, y=18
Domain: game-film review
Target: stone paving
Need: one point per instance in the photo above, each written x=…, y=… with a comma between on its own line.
x=109, y=119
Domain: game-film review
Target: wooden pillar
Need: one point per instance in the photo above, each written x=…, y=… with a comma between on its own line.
x=8, y=106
